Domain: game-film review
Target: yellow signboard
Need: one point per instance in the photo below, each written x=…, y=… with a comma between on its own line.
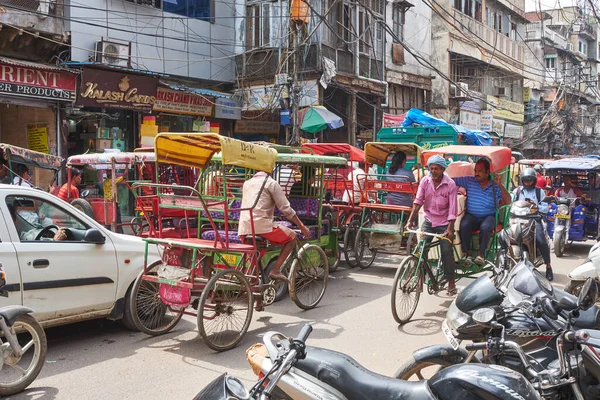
x=526, y=94
x=506, y=109
x=37, y=137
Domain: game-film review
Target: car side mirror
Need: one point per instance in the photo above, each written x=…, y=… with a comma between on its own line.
x=94, y=236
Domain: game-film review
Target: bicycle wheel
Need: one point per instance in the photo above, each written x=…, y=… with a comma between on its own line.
x=148, y=313
x=350, y=242
x=334, y=261
x=281, y=288
x=364, y=255
x=308, y=276
x=225, y=310
x=406, y=289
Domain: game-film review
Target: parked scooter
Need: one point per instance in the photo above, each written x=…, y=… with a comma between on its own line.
x=590, y=268
x=22, y=346
x=522, y=226
x=288, y=369
x=562, y=209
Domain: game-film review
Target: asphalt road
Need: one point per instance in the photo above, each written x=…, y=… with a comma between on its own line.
x=102, y=360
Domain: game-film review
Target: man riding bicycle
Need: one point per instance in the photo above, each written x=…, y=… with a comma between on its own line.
x=437, y=196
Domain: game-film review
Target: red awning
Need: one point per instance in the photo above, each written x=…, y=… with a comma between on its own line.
x=331, y=149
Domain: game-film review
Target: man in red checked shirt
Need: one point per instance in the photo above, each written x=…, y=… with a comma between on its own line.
x=541, y=179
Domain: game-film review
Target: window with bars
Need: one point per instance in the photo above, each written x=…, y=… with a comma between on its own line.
x=258, y=26
x=197, y=9
x=370, y=29
x=151, y=3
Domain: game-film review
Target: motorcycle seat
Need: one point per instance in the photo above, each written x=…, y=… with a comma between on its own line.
x=356, y=382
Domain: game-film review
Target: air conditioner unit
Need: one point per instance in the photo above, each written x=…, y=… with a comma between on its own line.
x=459, y=90
x=113, y=53
x=570, y=46
x=501, y=91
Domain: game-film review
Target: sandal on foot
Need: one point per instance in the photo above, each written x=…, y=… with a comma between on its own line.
x=479, y=260
x=451, y=292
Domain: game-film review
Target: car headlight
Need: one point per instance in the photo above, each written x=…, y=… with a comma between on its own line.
x=456, y=318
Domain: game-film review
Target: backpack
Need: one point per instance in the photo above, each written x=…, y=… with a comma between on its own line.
x=538, y=193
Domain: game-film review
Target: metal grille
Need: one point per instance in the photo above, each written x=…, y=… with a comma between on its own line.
x=151, y=3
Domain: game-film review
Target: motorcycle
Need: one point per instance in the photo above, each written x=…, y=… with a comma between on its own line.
x=590, y=268
x=559, y=222
x=521, y=232
x=288, y=369
x=22, y=346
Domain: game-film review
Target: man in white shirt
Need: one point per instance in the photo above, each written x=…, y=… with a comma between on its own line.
x=22, y=178
x=357, y=177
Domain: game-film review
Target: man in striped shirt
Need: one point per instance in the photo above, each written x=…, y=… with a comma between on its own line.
x=483, y=199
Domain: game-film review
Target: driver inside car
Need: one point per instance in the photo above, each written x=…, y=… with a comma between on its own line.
x=30, y=221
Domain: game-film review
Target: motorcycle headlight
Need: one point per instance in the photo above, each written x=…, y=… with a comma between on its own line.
x=519, y=211
x=456, y=318
x=562, y=209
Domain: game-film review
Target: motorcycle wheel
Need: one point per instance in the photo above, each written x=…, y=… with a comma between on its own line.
x=33, y=337
x=419, y=370
x=559, y=245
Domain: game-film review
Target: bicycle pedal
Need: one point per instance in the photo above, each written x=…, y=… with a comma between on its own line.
x=269, y=293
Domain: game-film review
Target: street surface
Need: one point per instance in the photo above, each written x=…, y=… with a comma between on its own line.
x=102, y=360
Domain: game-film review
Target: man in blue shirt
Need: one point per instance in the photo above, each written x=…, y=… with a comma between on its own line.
x=483, y=199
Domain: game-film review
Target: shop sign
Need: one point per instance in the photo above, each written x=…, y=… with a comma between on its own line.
x=268, y=96
x=513, y=131
x=109, y=89
x=471, y=106
x=498, y=126
x=38, y=83
x=506, y=109
x=180, y=102
x=227, y=109
x=469, y=119
x=37, y=137
x=252, y=127
x=485, y=120
x=526, y=94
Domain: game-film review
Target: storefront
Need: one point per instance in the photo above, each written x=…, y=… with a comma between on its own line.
x=32, y=97
x=109, y=108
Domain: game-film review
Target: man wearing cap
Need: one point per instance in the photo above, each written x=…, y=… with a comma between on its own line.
x=437, y=196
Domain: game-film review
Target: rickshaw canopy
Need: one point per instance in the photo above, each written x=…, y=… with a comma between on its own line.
x=536, y=161
x=378, y=152
x=29, y=157
x=302, y=159
x=104, y=160
x=499, y=156
x=332, y=149
x=574, y=164
x=197, y=149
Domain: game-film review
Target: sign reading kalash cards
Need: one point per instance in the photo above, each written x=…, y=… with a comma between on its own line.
x=108, y=89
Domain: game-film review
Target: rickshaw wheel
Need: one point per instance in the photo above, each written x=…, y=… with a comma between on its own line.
x=281, y=287
x=139, y=225
x=349, y=243
x=225, y=310
x=364, y=255
x=406, y=289
x=308, y=276
x=334, y=261
x=148, y=313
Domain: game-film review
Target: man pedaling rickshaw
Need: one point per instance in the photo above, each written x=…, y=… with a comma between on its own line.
x=262, y=215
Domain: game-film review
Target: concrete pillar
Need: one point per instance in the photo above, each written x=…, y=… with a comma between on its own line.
x=351, y=113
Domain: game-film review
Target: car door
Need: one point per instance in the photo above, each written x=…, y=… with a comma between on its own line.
x=10, y=264
x=65, y=277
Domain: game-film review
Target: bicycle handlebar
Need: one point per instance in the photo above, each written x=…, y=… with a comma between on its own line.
x=421, y=232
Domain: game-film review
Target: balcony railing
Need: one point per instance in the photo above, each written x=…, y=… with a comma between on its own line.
x=499, y=41
x=44, y=7
x=533, y=31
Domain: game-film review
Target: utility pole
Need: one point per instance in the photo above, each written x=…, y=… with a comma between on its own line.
x=295, y=140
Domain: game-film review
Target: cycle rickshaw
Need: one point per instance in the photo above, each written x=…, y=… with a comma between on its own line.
x=346, y=214
x=216, y=280
x=415, y=271
x=95, y=205
x=46, y=165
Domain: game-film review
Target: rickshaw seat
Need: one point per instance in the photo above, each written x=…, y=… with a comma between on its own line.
x=386, y=207
x=305, y=208
x=204, y=244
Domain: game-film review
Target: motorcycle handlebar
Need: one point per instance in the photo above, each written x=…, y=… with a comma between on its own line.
x=304, y=333
x=476, y=346
x=579, y=336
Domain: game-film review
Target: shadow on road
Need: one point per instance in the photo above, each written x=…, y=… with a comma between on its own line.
x=422, y=327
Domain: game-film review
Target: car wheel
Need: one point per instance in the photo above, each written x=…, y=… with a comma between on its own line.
x=127, y=319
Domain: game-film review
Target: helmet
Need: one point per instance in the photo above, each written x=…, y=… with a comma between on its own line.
x=528, y=175
x=537, y=167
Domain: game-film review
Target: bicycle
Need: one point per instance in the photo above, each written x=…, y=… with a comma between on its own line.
x=414, y=271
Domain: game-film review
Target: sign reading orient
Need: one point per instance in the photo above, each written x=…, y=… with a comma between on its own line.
x=40, y=83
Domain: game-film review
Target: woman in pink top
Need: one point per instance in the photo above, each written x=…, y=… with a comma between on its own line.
x=437, y=196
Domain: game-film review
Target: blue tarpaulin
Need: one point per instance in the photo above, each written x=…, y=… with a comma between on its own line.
x=420, y=117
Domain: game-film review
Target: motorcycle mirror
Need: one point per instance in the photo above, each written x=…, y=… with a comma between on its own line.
x=84, y=193
x=548, y=188
x=567, y=303
x=548, y=199
x=484, y=316
x=588, y=294
x=236, y=388
x=549, y=309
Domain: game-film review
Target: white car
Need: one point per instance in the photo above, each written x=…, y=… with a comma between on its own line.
x=87, y=275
